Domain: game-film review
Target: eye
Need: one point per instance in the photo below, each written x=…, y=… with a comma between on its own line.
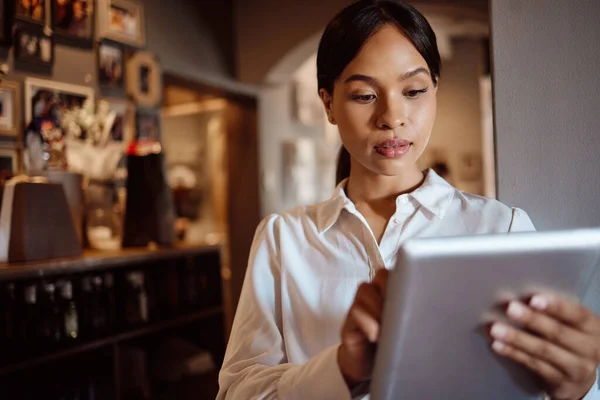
x=413, y=94
x=363, y=98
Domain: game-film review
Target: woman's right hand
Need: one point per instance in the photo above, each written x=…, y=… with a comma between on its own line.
x=361, y=330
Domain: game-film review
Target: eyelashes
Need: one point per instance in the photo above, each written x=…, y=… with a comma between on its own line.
x=363, y=98
x=413, y=94
x=369, y=98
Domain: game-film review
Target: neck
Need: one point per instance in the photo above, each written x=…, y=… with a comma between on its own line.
x=365, y=186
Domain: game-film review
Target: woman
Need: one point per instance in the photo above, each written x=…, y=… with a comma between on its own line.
x=378, y=71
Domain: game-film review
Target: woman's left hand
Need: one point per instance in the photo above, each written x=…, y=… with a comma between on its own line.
x=559, y=340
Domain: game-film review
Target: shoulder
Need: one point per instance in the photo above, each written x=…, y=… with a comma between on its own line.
x=290, y=224
x=491, y=213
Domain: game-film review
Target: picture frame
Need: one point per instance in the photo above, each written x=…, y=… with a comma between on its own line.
x=32, y=11
x=111, y=65
x=33, y=46
x=9, y=162
x=122, y=21
x=6, y=23
x=74, y=21
x=39, y=93
x=148, y=125
x=144, y=79
x=124, y=128
x=10, y=108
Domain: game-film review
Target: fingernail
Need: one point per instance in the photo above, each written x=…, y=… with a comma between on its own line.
x=516, y=310
x=499, y=331
x=539, y=302
x=497, y=346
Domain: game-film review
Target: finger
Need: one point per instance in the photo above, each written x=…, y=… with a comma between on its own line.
x=380, y=280
x=551, y=329
x=365, y=314
x=568, y=363
x=569, y=312
x=365, y=322
x=546, y=371
x=369, y=297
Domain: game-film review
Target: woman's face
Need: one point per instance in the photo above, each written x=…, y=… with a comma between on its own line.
x=384, y=104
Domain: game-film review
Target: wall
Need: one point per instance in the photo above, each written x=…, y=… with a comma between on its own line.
x=547, y=91
x=457, y=129
x=266, y=30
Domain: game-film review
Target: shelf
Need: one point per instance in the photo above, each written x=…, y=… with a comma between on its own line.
x=96, y=344
x=94, y=259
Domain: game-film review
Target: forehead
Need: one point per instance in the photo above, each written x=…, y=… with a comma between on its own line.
x=387, y=53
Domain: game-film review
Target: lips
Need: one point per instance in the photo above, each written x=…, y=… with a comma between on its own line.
x=393, y=148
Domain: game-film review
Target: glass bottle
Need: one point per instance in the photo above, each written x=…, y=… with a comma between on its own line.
x=9, y=315
x=108, y=301
x=31, y=313
x=86, y=311
x=99, y=315
x=69, y=312
x=137, y=299
x=51, y=322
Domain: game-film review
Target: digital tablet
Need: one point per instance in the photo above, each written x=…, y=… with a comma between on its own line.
x=443, y=294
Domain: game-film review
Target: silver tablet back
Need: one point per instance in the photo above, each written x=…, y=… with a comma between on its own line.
x=445, y=291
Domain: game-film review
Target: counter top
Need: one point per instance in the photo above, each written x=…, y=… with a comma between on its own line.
x=97, y=259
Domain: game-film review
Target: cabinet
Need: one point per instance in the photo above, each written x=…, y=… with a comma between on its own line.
x=135, y=308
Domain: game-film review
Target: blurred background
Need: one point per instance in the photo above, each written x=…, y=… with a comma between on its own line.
x=174, y=127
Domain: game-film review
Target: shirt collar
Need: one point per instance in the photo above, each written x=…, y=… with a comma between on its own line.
x=434, y=195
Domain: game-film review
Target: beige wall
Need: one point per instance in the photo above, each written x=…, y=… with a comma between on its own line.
x=457, y=130
x=267, y=29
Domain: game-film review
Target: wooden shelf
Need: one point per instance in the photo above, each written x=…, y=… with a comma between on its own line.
x=94, y=259
x=96, y=344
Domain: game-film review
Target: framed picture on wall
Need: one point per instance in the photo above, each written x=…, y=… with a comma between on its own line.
x=122, y=21
x=9, y=162
x=6, y=22
x=144, y=79
x=74, y=20
x=34, y=47
x=111, y=65
x=148, y=125
x=31, y=11
x=41, y=95
x=124, y=126
x=10, y=108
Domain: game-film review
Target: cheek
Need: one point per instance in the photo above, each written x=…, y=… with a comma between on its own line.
x=422, y=119
x=353, y=120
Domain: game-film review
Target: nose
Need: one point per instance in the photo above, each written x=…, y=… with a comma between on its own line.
x=391, y=114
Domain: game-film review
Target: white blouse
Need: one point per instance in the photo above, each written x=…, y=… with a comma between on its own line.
x=304, y=269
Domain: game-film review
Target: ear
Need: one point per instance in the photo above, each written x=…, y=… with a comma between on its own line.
x=327, y=100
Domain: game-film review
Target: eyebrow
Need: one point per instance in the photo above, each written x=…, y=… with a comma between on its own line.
x=371, y=80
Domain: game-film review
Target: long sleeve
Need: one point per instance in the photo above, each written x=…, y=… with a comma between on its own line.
x=520, y=222
x=256, y=365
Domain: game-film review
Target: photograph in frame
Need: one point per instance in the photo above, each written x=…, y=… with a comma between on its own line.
x=74, y=19
x=10, y=103
x=33, y=11
x=144, y=79
x=122, y=21
x=9, y=163
x=148, y=125
x=41, y=95
x=124, y=126
x=32, y=46
x=111, y=65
